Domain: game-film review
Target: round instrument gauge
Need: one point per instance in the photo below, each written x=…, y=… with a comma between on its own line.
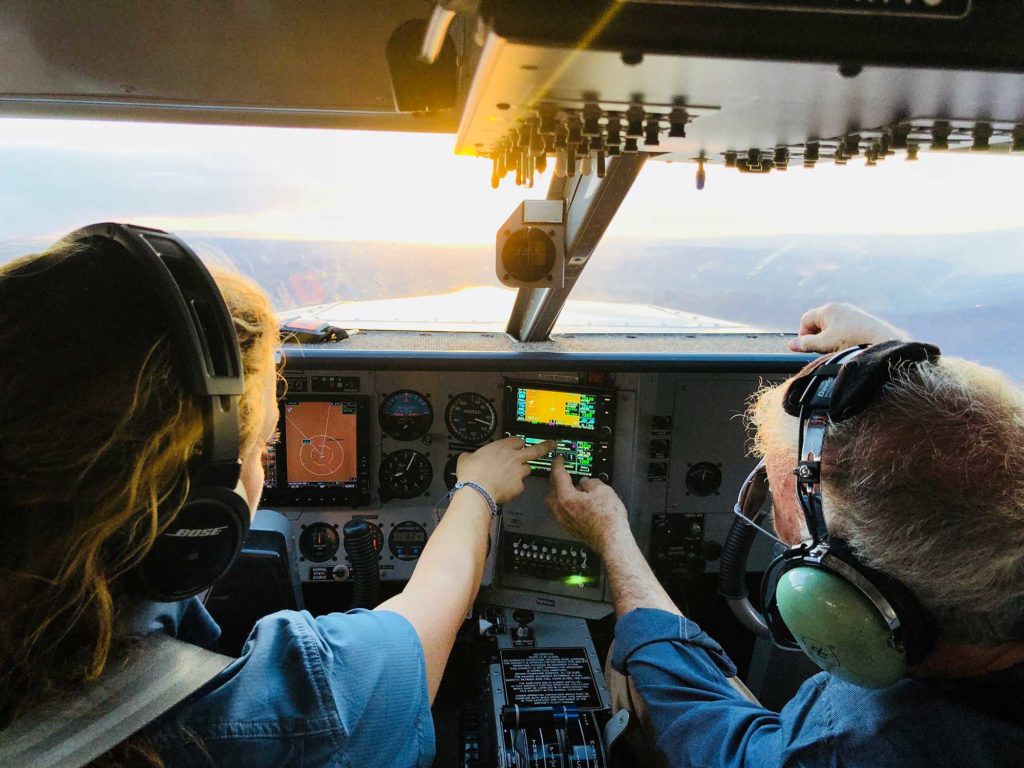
x=703, y=479
x=406, y=415
x=404, y=474
x=407, y=539
x=470, y=417
x=319, y=542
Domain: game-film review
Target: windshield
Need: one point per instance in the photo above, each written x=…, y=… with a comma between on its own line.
x=375, y=219
x=934, y=246
x=315, y=216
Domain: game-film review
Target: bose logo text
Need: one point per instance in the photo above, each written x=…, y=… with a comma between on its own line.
x=191, y=533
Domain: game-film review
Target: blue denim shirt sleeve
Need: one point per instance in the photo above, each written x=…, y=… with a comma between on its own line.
x=337, y=690
x=378, y=680
x=698, y=718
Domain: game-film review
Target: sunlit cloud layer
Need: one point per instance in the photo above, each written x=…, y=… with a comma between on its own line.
x=344, y=185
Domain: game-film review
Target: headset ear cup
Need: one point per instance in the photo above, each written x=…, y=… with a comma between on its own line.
x=838, y=628
x=777, y=628
x=199, y=546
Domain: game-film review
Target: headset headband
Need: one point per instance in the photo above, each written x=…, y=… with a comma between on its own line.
x=201, y=332
x=839, y=387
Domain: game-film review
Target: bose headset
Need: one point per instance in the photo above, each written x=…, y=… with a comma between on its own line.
x=848, y=618
x=201, y=543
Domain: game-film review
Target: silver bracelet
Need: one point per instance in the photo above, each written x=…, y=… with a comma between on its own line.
x=442, y=505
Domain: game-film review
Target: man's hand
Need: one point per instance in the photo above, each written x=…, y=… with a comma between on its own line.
x=593, y=513
x=501, y=467
x=833, y=327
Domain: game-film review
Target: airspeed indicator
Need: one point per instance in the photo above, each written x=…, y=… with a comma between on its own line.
x=470, y=417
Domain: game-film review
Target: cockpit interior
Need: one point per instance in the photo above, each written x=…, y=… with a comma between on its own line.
x=583, y=119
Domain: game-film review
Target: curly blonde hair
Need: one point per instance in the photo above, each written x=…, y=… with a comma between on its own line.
x=927, y=486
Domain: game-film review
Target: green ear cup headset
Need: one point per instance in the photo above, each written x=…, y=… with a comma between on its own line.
x=851, y=620
x=201, y=543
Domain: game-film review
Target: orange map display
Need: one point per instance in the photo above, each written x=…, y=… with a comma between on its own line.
x=544, y=406
x=320, y=439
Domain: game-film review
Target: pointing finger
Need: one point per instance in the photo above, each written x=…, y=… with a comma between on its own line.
x=531, y=452
x=560, y=480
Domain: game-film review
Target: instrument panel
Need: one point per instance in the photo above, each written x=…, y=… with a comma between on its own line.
x=383, y=446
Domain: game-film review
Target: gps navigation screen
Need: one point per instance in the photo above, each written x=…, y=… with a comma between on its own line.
x=577, y=454
x=321, y=443
x=553, y=408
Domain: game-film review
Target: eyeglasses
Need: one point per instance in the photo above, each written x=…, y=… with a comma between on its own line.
x=751, y=504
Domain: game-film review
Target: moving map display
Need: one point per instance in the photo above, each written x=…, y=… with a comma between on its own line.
x=321, y=443
x=556, y=408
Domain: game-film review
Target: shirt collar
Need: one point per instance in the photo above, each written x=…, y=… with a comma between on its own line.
x=186, y=620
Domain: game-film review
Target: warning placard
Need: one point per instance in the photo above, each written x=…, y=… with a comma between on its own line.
x=549, y=676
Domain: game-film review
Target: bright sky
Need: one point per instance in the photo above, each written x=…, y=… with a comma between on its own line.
x=345, y=185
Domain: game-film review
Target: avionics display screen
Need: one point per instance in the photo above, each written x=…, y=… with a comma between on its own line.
x=577, y=454
x=321, y=443
x=556, y=408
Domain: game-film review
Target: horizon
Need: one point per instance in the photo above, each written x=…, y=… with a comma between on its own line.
x=607, y=238
x=323, y=185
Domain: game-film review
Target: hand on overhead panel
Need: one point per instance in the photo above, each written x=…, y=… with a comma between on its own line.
x=593, y=512
x=835, y=326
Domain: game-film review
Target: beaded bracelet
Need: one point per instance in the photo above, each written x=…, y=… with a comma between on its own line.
x=446, y=500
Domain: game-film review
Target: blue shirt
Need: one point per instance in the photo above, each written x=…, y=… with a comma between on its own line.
x=700, y=720
x=345, y=689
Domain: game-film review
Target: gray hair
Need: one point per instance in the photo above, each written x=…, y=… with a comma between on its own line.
x=927, y=485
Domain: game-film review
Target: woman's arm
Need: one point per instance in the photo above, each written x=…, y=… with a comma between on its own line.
x=447, y=576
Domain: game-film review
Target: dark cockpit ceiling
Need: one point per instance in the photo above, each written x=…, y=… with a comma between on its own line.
x=316, y=64
x=760, y=76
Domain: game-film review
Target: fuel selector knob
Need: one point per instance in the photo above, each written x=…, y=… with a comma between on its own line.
x=341, y=572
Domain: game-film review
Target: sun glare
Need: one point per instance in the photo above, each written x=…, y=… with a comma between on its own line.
x=297, y=184
x=304, y=184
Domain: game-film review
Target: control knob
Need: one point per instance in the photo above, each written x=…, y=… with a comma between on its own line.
x=522, y=618
x=659, y=449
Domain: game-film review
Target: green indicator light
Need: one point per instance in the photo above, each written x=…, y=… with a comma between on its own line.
x=577, y=580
